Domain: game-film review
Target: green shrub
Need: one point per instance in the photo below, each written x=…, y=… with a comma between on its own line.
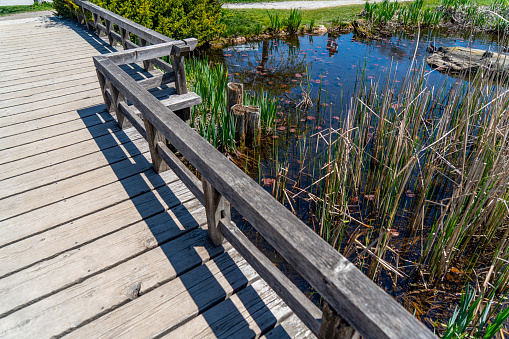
x=177, y=19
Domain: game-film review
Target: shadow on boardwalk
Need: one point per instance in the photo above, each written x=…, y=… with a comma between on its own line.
x=178, y=234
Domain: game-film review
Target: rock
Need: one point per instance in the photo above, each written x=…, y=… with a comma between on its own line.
x=320, y=29
x=362, y=30
x=456, y=60
x=239, y=40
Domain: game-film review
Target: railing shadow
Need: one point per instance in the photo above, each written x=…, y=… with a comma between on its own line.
x=179, y=235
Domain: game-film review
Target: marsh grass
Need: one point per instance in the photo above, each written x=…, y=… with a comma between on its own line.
x=210, y=80
x=411, y=183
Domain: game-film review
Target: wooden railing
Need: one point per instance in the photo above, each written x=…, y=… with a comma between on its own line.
x=354, y=304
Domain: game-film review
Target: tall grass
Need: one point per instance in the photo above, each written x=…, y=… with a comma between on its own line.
x=429, y=164
x=210, y=80
x=294, y=20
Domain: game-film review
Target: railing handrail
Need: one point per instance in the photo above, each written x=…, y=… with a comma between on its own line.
x=359, y=301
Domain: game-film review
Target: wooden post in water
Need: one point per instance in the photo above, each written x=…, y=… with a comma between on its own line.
x=234, y=95
x=217, y=208
x=333, y=326
x=247, y=124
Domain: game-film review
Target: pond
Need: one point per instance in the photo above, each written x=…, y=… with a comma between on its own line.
x=328, y=70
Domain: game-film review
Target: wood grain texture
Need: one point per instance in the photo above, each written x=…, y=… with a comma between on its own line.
x=108, y=290
x=154, y=313
x=72, y=266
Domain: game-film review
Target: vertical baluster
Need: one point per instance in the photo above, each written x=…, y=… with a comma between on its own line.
x=177, y=61
x=109, y=29
x=333, y=326
x=104, y=86
x=84, y=11
x=147, y=65
x=154, y=137
x=124, y=34
x=118, y=97
x=217, y=208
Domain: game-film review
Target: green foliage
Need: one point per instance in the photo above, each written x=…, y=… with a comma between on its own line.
x=472, y=318
x=177, y=19
x=293, y=21
x=275, y=23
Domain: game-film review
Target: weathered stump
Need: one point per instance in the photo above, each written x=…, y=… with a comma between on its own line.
x=461, y=60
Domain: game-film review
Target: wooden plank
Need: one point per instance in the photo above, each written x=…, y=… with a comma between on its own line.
x=30, y=201
x=138, y=54
x=291, y=295
x=30, y=92
x=114, y=157
x=341, y=284
x=108, y=290
x=50, y=58
x=247, y=314
x=48, y=122
x=101, y=145
x=44, y=104
x=59, y=141
x=51, y=216
x=62, y=78
x=42, y=79
x=155, y=312
x=72, y=235
x=42, y=97
x=290, y=328
x=36, y=69
x=70, y=267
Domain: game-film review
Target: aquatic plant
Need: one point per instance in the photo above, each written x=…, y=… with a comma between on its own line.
x=275, y=22
x=293, y=21
x=210, y=80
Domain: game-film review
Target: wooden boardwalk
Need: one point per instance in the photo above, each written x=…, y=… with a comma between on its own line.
x=94, y=243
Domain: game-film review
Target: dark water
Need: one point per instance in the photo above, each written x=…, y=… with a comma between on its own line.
x=331, y=67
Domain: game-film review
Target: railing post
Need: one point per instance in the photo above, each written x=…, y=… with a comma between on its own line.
x=97, y=21
x=124, y=35
x=333, y=326
x=117, y=97
x=147, y=65
x=217, y=208
x=102, y=83
x=89, y=27
x=109, y=28
x=177, y=62
x=154, y=137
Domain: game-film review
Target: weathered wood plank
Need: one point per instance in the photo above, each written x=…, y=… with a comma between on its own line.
x=184, y=174
x=59, y=141
x=251, y=312
x=31, y=92
x=154, y=313
x=70, y=152
x=72, y=266
x=110, y=289
x=298, y=302
x=72, y=235
x=290, y=328
x=53, y=215
x=75, y=166
x=51, y=95
x=138, y=54
x=30, y=201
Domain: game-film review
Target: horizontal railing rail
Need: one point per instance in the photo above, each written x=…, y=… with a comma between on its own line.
x=354, y=304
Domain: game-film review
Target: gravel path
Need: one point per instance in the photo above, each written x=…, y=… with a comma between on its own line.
x=296, y=4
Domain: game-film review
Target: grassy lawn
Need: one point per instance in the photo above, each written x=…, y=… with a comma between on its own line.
x=249, y=21
x=6, y=10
